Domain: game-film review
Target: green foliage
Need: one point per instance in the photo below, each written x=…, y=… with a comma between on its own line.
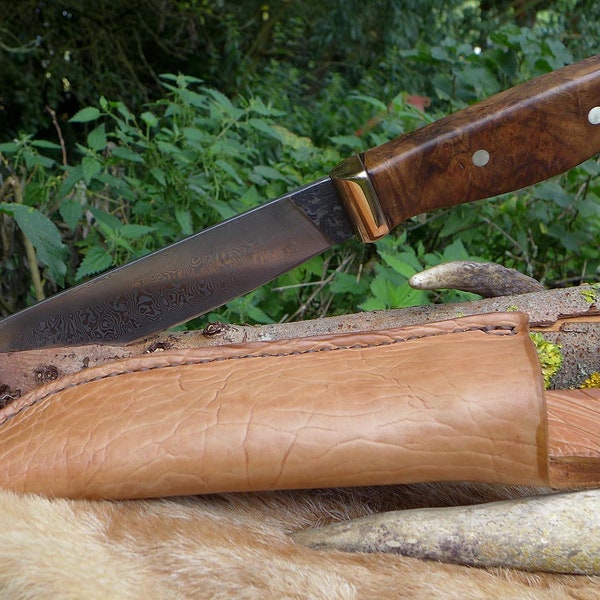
x=44, y=236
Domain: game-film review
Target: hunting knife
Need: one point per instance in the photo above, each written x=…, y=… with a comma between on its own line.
x=514, y=139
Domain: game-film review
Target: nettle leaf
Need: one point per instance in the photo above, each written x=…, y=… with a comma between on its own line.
x=33, y=159
x=221, y=99
x=159, y=176
x=71, y=211
x=264, y=127
x=229, y=169
x=349, y=141
x=267, y=173
x=549, y=190
x=9, y=147
x=404, y=263
x=456, y=251
x=375, y=102
x=123, y=110
x=44, y=236
x=134, y=232
x=95, y=261
x=96, y=138
x=127, y=154
x=90, y=167
x=110, y=222
x=90, y=113
x=184, y=220
x=45, y=144
x=344, y=283
x=149, y=118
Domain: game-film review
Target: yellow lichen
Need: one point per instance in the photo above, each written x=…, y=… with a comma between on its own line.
x=593, y=381
x=550, y=357
x=589, y=295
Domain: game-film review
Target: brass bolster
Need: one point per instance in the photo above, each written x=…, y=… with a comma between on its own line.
x=352, y=183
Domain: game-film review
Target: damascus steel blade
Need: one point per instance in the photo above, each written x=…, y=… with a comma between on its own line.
x=188, y=278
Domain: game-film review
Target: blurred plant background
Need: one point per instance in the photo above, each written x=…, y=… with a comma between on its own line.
x=125, y=126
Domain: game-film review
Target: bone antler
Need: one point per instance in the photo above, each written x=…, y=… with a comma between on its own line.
x=489, y=280
x=557, y=533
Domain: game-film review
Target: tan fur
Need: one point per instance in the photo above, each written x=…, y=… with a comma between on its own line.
x=236, y=546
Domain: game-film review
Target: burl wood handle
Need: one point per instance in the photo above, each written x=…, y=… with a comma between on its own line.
x=514, y=139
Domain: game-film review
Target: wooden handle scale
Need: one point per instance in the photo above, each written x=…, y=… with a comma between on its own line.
x=453, y=400
x=519, y=137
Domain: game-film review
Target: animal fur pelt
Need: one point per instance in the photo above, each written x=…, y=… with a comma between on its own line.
x=237, y=546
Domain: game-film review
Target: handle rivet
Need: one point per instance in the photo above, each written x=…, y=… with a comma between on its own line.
x=480, y=158
x=594, y=115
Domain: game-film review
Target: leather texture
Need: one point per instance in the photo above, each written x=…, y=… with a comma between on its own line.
x=574, y=437
x=456, y=400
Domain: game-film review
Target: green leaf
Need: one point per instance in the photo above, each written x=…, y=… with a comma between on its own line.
x=133, y=232
x=184, y=219
x=549, y=190
x=71, y=211
x=371, y=304
x=258, y=106
x=344, y=283
x=193, y=134
x=169, y=148
x=44, y=236
x=348, y=141
x=45, y=144
x=90, y=167
x=378, y=104
x=192, y=98
x=404, y=263
x=95, y=261
x=230, y=170
x=109, y=221
x=258, y=315
x=96, y=138
x=33, y=159
x=221, y=99
x=159, y=175
x=9, y=147
x=125, y=153
x=74, y=176
x=456, y=251
x=269, y=173
x=123, y=110
x=264, y=127
x=90, y=113
x=149, y=118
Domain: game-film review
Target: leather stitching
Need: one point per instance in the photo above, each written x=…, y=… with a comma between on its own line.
x=490, y=330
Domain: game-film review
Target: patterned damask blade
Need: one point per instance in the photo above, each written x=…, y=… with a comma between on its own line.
x=188, y=278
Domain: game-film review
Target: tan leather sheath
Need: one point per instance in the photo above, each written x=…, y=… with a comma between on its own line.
x=454, y=400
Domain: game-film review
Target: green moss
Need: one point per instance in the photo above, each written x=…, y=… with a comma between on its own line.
x=550, y=357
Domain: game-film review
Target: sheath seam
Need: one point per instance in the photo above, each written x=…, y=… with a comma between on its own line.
x=490, y=330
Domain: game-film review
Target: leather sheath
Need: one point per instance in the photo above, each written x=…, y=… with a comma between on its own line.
x=455, y=400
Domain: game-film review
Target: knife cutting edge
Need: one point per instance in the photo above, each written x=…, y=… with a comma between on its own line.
x=514, y=139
